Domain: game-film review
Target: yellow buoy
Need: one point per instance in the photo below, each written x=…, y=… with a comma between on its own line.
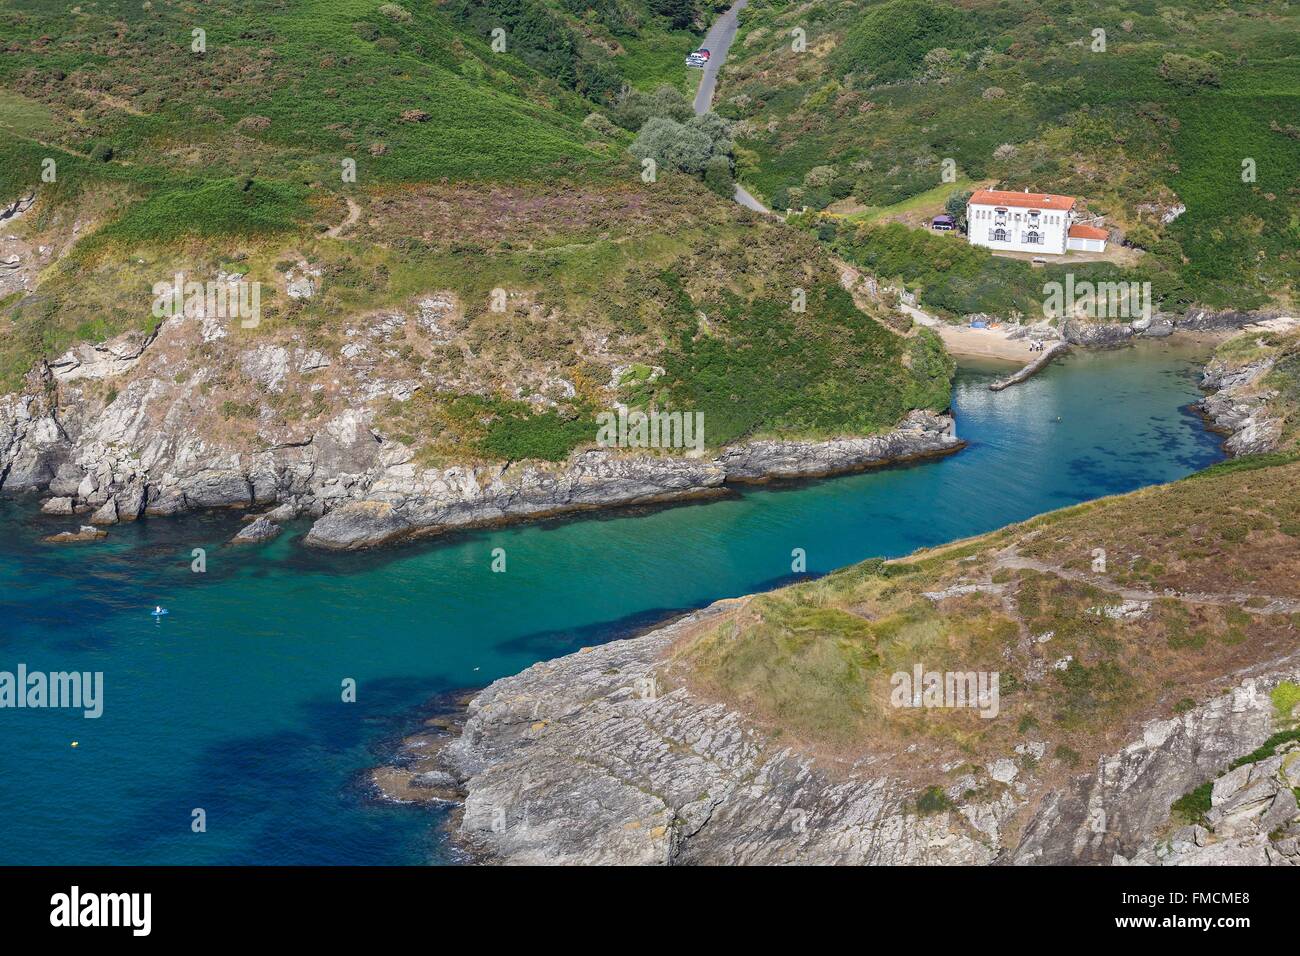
x=74, y=743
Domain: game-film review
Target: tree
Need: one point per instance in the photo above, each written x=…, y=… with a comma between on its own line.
x=717, y=176
x=956, y=206
x=680, y=13
x=673, y=146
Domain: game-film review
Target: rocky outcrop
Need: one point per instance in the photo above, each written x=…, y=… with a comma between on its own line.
x=146, y=448
x=1102, y=334
x=581, y=760
x=1253, y=820
x=358, y=524
x=104, y=360
x=1207, y=320
x=32, y=442
x=258, y=530
x=1096, y=335
x=1239, y=406
x=85, y=533
x=404, y=501
x=1127, y=799
x=919, y=435
x=591, y=759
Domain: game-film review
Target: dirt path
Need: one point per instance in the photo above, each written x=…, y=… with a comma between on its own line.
x=1012, y=560
x=354, y=213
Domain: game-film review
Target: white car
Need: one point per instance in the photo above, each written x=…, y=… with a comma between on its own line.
x=694, y=59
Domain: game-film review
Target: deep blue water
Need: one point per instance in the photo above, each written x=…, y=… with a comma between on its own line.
x=232, y=703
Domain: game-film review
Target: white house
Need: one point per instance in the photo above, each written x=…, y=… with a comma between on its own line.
x=1028, y=222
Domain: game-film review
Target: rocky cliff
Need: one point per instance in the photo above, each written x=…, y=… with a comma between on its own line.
x=590, y=759
x=1239, y=405
x=125, y=428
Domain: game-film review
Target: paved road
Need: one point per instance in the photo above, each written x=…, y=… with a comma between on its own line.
x=718, y=41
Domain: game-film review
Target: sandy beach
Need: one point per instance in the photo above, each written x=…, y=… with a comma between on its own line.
x=986, y=343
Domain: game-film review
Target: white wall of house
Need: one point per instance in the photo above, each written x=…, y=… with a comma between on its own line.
x=1016, y=229
x=1086, y=245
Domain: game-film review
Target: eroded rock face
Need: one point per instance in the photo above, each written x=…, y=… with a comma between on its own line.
x=1113, y=810
x=1238, y=405
x=1096, y=335
x=115, y=357
x=579, y=761
x=1254, y=820
x=150, y=442
x=585, y=759
x=920, y=434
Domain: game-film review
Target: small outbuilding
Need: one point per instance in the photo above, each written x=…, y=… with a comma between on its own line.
x=1087, y=238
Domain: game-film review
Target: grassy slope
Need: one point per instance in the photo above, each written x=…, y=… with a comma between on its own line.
x=1104, y=126
x=232, y=160
x=1209, y=552
x=815, y=659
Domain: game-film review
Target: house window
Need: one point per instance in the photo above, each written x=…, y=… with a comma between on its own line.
x=1033, y=238
x=999, y=235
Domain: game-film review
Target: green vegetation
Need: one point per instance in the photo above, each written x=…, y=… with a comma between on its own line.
x=932, y=800
x=699, y=147
x=223, y=208
x=891, y=40
x=1192, y=807
x=954, y=277
x=1286, y=696
x=1267, y=749
x=1014, y=92
x=761, y=366
x=475, y=170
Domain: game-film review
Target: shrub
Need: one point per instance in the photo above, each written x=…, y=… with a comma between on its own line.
x=1143, y=237
x=600, y=124
x=634, y=108
x=891, y=40
x=394, y=12
x=1193, y=807
x=819, y=176
x=717, y=176
x=932, y=800
x=672, y=145
x=1189, y=72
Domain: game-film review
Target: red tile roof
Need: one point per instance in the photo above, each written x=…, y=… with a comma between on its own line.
x=1001, y=197
x=1080, y=231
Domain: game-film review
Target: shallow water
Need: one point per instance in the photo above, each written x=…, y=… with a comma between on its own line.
x=231, y=703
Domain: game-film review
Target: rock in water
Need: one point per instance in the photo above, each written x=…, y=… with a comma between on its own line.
x=358, y=524
x=263, y=529
x=107, y=513
x=85, y=533
x=57, y=506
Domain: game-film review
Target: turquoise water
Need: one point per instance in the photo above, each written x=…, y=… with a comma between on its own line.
x=232, y=703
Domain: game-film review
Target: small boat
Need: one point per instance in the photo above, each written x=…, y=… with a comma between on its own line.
x=159, y=611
